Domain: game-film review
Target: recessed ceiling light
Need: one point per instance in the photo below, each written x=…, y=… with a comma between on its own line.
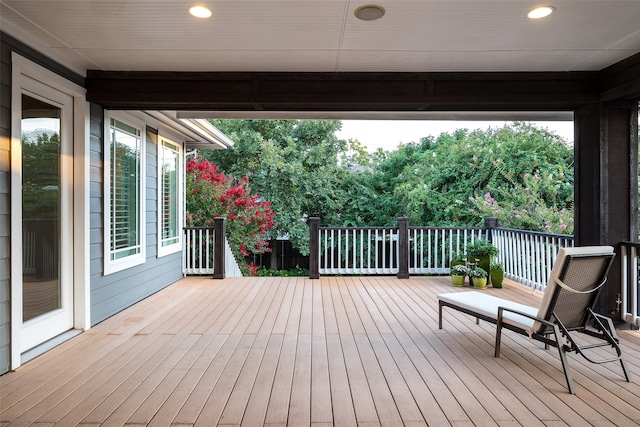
x=200, y=12
x=540, y=12
x=369, y=12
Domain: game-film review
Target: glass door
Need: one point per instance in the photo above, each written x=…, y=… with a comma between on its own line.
x=46, y=178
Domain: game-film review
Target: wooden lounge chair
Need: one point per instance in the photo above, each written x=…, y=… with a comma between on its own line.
x=567, y=307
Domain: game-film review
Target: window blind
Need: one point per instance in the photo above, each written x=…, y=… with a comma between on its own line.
x=170, y=202
x=125, y=190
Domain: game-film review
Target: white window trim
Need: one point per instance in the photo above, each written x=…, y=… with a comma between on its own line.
x=176, y=247
x=113, y=266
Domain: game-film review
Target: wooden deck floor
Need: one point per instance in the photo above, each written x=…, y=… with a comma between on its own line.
x=292, y=351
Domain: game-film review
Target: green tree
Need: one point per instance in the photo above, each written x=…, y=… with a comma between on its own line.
x=435, y=179
x=522, y=207
x=305, y=170
x=294, y=164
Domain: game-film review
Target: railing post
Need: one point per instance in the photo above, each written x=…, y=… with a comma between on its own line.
x=219, y=236
x=489, y=224
x=314, y=247
x=403, y=248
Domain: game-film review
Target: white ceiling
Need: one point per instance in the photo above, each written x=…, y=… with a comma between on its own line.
x=325, y=36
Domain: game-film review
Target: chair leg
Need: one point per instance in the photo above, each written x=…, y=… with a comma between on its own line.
x=439, y=314
x=615, y=343
x=616, y=346
x=609, y=330
x=498, y=333
x=625, y=369
x=563, y=359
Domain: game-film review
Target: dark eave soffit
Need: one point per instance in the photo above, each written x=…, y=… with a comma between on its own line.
x=257, y=91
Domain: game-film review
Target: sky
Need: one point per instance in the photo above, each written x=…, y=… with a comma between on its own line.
x=389, y=133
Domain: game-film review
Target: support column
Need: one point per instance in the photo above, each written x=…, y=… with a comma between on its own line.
x=220, y=235
x=606, y=184
x=314, y=248
x=403, y=248
x=489, y=224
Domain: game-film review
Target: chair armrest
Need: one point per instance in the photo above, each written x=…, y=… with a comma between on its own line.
x=601, y=316
x=520, y=313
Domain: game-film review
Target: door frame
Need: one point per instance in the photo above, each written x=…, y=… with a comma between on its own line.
x=79, y=195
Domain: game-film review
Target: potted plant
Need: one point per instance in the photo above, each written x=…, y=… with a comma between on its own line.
x=478, y=277
x=497, y=274
x=458, y=273
x=481, y=251
x=458, y=259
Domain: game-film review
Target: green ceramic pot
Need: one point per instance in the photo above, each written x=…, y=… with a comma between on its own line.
x=457, y=280
x=480, y=282
x=497, y=277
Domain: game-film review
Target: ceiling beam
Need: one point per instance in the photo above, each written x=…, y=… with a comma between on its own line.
x=621, y=81
x=243, y=91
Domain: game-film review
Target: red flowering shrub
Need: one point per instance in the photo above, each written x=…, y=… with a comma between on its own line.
x=211, y=194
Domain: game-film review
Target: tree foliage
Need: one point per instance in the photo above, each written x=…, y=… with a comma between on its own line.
x=523, y=207
x=294, y=164
x=211, y=194
x=305, y=170
x=436, y=179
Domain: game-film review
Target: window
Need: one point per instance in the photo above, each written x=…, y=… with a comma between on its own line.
x=124, y=195
x=169, y=197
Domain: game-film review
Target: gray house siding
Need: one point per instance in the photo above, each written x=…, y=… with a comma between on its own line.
x=115, y=292
x=109, y=294
x=5, y=219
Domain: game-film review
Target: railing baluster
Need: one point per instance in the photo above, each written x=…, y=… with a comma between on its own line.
x=464, y=241
x=384, y=250
x=514, y=249
x=435, y=249
x=361, y=232
x=429, y=256
x=443, y=244
x=393, y=246
x=334, y=250
x=422, y=260
x=339, y=260
x=194, y=251
x=413, y=237
x=633, y=289
x=369, y=250
x=326, y=249
x=518, y=259
x=331, y=251
x=355, y=252
x=346, y=251
x=630, y=292
x=204, y=246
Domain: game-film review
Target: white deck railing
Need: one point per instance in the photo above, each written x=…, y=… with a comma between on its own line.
x=432, y=248
x=630, y=297
x=375, y=250
x=528, y=256
x=198, y=254
x=358, y=250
